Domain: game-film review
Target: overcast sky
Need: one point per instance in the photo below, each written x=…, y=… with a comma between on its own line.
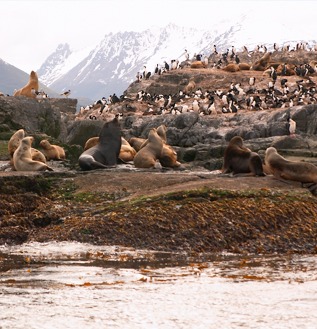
x=31, y=30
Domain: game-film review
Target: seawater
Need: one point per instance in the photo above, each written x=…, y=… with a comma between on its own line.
x=74, y=285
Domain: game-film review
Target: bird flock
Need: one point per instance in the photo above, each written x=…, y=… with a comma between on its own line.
x=287, y=85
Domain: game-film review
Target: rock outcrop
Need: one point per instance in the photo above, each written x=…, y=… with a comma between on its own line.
x=47, y=116
x=198, y=140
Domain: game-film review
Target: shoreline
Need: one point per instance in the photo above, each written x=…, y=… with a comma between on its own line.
x=163, y=211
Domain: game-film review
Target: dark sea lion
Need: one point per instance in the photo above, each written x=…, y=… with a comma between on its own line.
x=127, y=152
x=106, y=153
x=238, y=159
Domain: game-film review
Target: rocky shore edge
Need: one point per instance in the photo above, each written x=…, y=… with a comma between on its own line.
x=168, y=211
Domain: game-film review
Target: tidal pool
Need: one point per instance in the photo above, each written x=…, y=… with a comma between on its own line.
x=73, y=285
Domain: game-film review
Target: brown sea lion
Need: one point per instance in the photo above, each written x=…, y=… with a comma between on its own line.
x=190, y=87
x=282, y=168
x=51, y=151
x=197, y=65
x=285, y=69
x=136, y=142
x=106, y=153
x=22, y=157
x=150, y=152
x=244, y=66
x=127, y=152
x=15, y=140
x=30, y=89
x=262, y=63
x=239, y=159
x=37, y=155
x=231, y=68
x=168, y=157
x=91, y=142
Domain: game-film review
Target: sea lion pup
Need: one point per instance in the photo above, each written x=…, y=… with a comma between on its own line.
x=168, y=157
x=22, y=157
x=30, y=89
x=150, y=151
x=106, y=153
x=14, y=143
x=238, y=159
x=51, y=151
x=282, y=168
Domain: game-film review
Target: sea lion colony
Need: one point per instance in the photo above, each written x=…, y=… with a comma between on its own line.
x=110, y=147
x=193, y=99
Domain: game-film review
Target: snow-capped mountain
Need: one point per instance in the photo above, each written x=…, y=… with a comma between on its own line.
x=113, y=64
x=110, y=66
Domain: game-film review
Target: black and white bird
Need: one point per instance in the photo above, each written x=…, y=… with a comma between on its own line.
x=252, y=81
x=66, y=93
x=273, y=73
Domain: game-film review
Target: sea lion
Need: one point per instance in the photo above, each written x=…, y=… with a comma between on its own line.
x=106, y=153
x=15, y=140
x=244, y=66
x=51, y=151
x=262, y=63
x=231, y=68
x=127, y=152
x=282, y=168
x=239, y=159
x=30, y=89
x=198, y=65
x=150, y=152
x=190, y=86
x=136, y=142
x=22, y=157
x=37, y=155
x=14, y=143
x=91, y=142
x=168, y=157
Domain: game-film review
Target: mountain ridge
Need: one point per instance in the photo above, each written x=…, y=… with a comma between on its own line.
x=112, y=64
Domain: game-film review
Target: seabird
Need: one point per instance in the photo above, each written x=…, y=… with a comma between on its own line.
x=292, y=126
x=252, y=81
x=66, y=93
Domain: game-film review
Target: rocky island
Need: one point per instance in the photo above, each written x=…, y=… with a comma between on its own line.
x=191, y=208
